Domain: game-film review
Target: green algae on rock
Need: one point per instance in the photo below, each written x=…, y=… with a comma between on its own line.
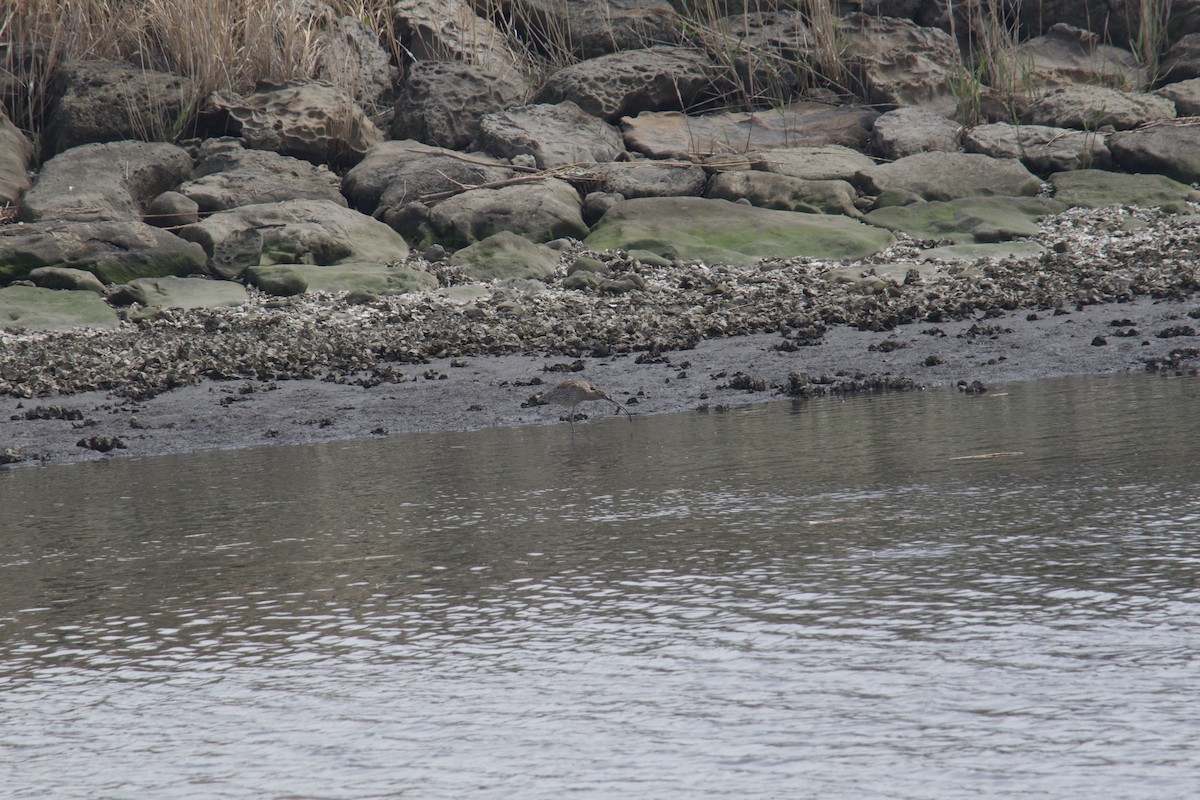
x=718, y=231
x=33, y=308
x=967, y=220
x=285, y=280
x=1096, y=188
x=506, y=255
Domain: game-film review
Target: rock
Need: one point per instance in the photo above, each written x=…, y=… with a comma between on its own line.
x=229, y=176
x=414, y=179
x=506, y=255
x=1171, y=149
x=16, y=153
x=1040, y=148
x=785, y=193
x=593, y=28
x=908, y=131
x=1182, y=61
x=540, y=212
x=1066, y=55
x=307, y=119
x=1185, y=95
x=104, y=181
x=109, y=101
x=349, y=55
x=946, y=176
x=293, y=232
x=172, y=209
x=66, y=278
x=717, y=231
x=597, y=204
x=115, y=251
x=830, y=162
x=632, y=81
x=650, y=178
x=365, y=183
x=448, y=30
x=1094, y=188
x=194, y=292
x=32, y=308
x=671, y=134
x=771, y=51
x=285, y=280
x=553, y=134
x=443, y=102
x=967, y=220
x=900, y=63
x=1089, y=108
x=1022, y=250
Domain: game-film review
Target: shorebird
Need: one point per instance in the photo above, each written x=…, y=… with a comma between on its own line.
x=573, y=391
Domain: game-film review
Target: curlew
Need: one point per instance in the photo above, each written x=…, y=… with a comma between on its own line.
x=573, y=391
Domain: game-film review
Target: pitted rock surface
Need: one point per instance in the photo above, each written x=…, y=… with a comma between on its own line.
x=1066, y=55
x=229, y=176
x=554, y=134
x=596, y=27
x=1041, y=148
x=771, y=50
x=908, y=131
x=1089, y=108
x=632, y=179
x=442, y=102
x=415, y=179
x=549, y=209
x=900, y=63
x=632, y=81
x=449, y=30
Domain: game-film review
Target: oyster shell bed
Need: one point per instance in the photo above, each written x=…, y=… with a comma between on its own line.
x=1106, y=256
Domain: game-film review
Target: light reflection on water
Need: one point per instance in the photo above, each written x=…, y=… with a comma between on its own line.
x=827, y=600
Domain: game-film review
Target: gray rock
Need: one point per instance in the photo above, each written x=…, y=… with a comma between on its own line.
x=193, y=292
x=592, y=28
x=115, y=251
x=285, y=280
x=671, y=134
x=364, y=183
x=1171, y=149
x=104, y=181
x=16, y=153
x=830, y=162
x=1185, y=95
x=945, y=176
x=900, y=63
x=785, y=193
x=229, y=176
x=650, y=178
x=109, y=101
x=307, y=119
x=720, y=232
x=771, y=51
x=449, y=30
x=1066, y=55
x=506, y=255
x=349, y=55
x=442, y=102
x=33, y=308
x=1040, y=148
x=538, y=211
x=1182, y=61
x=292, y=232
x=968, y=220
x=1093, y=107
x=415, y=179
x=1093, y=188
x=1021, y=249
x=553, y=134
x=66, y=278
x=172, y=209
x=632, y=81
x=596, y=204
x=908, y=131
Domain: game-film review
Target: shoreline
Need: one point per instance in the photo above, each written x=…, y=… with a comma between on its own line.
x=462, y=394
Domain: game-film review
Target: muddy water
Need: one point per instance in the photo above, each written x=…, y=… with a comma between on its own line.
x=922, y=595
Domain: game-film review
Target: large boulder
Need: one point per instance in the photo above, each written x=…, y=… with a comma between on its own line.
x=285, y=280
x=191, y=292
x=899, y=63
x=366, y=181
x=442, y=102
x=293, y=232
x=67, y=278
x=229, y=176
x=550, y=209
x=34, y=308
x=717, y=231
x=968, y=220
x=348, y=53
x=772, y=52
x=1089, y=108
x=1182, y=61
x=1040, y=148
x=16, y=153
x=105, y=181
x=1171, y=149
x=449, y=30
x=1185, y=95
x=422, y=179
x=785, y=193
x=109, y=101
x=590, y=28
x=945, y=176
x=647, y=178
x=629, y=82
x=1094, y=188
x=553, y=134
x=115, y=251
x=672, y=134
x=312, y=120
x=831, y=162
x=506, y=255
x=1068, y=55
x=908, y=131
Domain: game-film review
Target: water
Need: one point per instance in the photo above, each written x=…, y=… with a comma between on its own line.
x=911, y=596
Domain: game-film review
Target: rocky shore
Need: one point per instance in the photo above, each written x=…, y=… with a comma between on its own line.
x=690, y=213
